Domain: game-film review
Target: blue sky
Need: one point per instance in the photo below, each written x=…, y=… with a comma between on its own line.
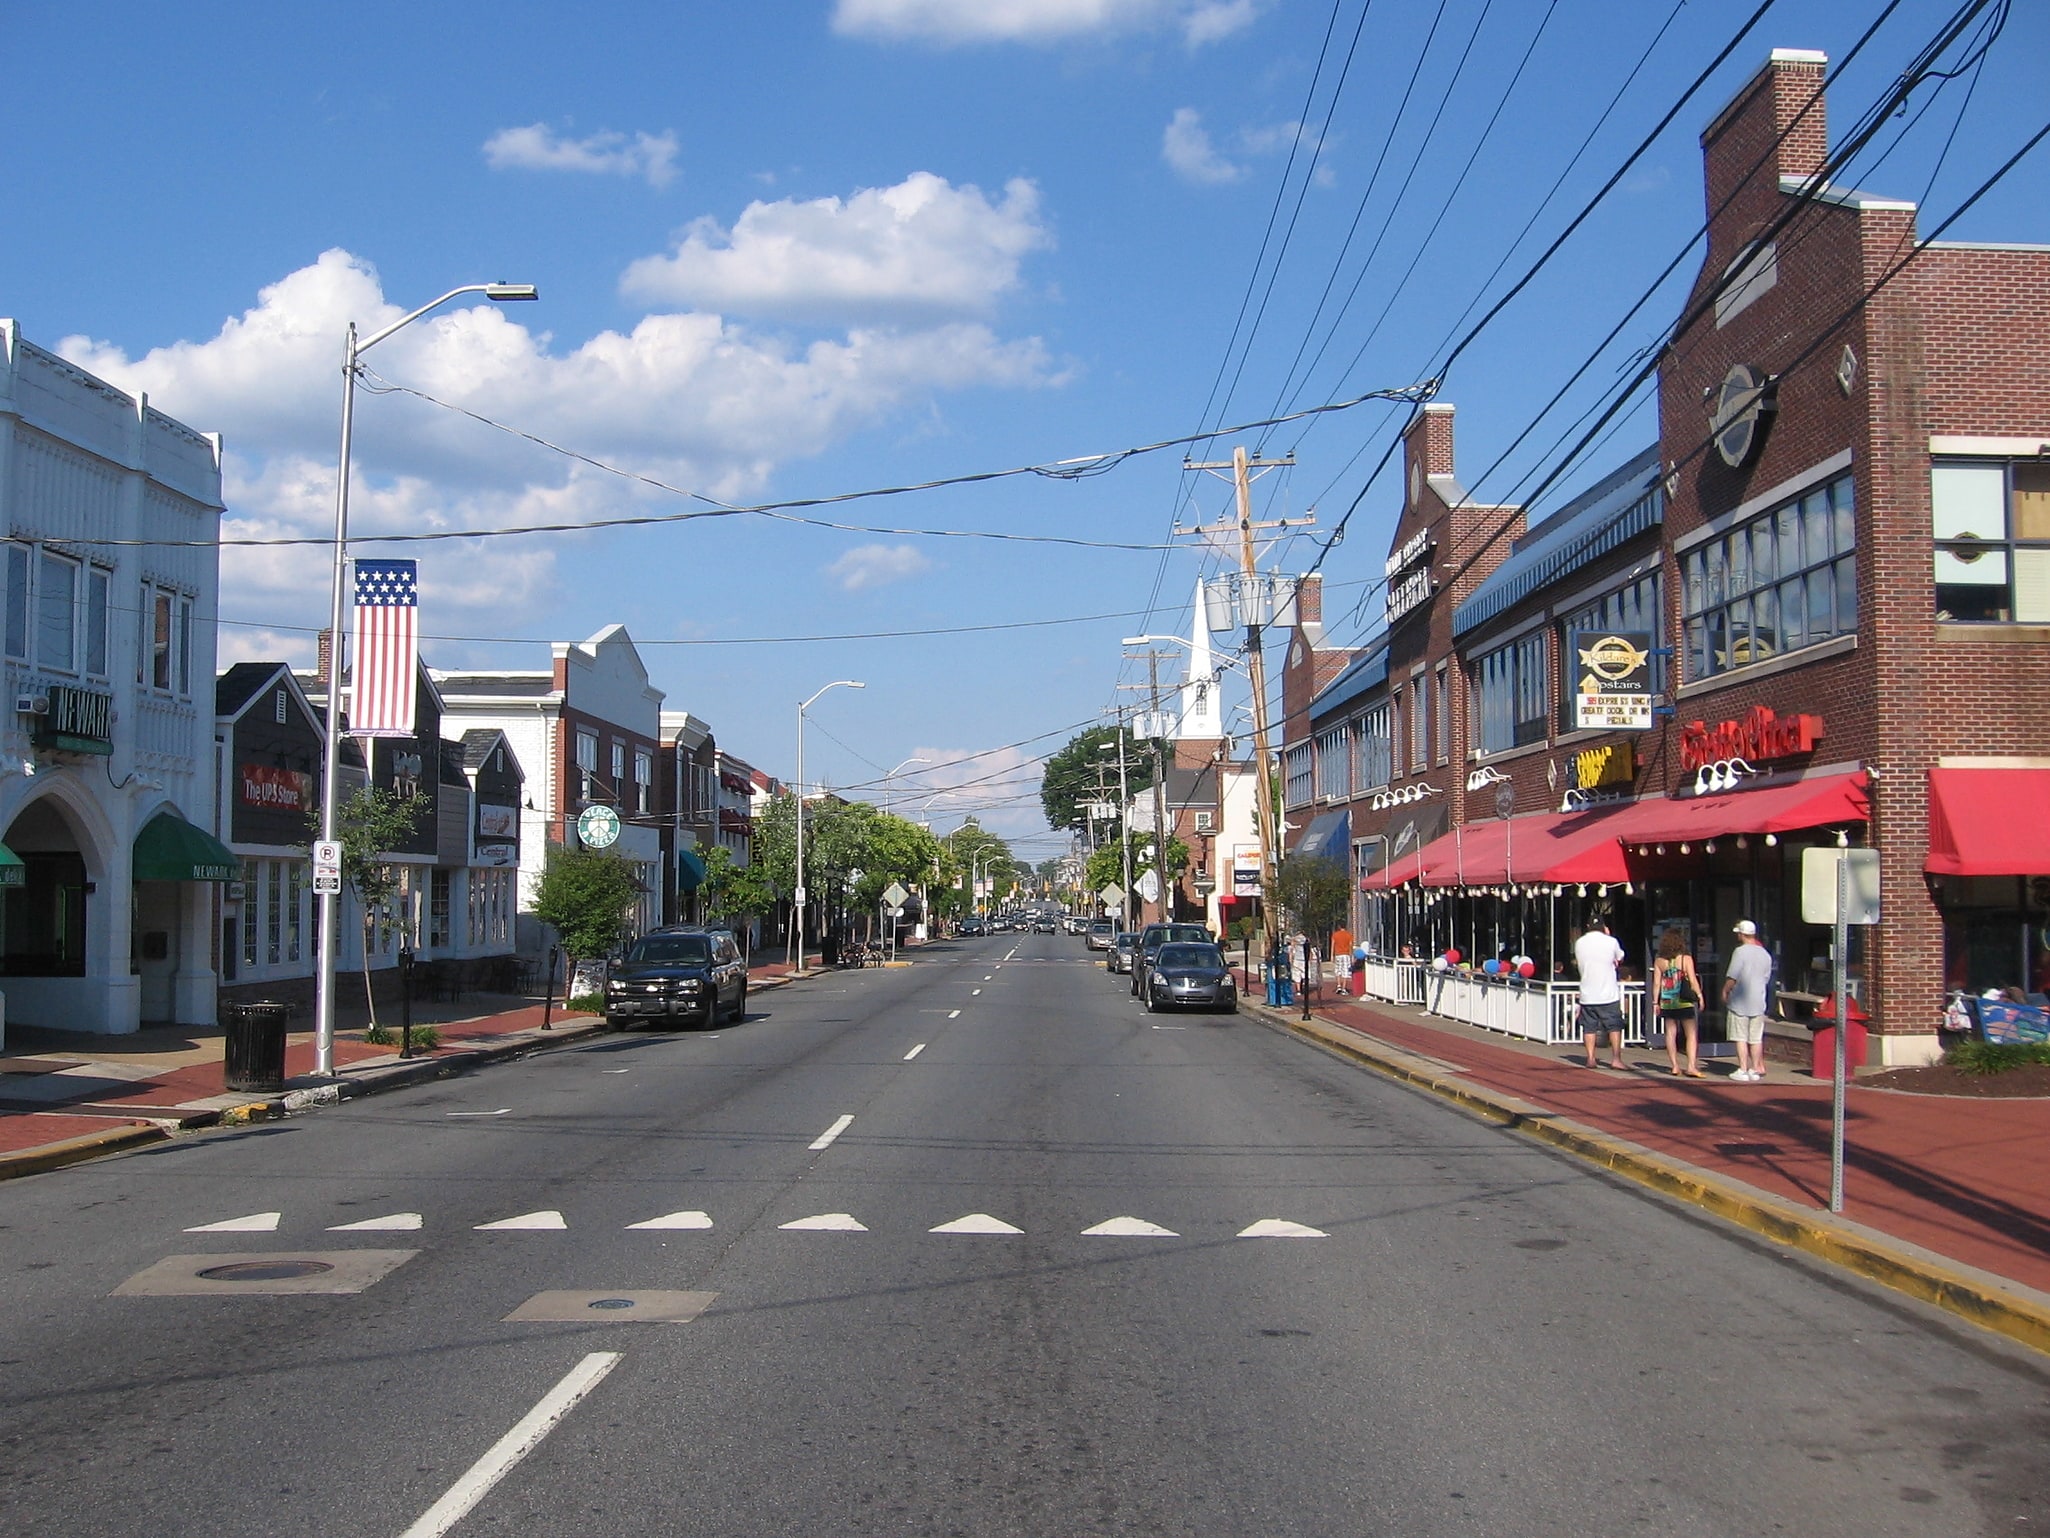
x=808, y=247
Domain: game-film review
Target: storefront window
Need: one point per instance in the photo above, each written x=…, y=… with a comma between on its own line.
x=1298, y=784
x=1511, y=695
x=1992, y=529
x=1334, y=765
x=1371, y=750
x=438, y=909
x=1783, y=580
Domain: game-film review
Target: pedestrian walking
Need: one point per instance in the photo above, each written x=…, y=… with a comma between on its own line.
x=1679, y=999
x=1745, y=981
x=1598, y=957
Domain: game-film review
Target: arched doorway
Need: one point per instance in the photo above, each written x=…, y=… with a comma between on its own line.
x=43, y=919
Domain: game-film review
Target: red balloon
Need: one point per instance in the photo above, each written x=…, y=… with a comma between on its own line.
x=1452, y=958
x=1528, y=969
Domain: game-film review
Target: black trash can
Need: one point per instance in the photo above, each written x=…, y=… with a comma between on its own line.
x=255, y=1033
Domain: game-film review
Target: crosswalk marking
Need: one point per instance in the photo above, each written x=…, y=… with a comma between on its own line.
x=1281, y=1228
x=677, y=1220
x=391, y=1222
x=548, y=1218
x=829, y=1222
x=976, y=1223
x=1131, y=1228
x=255, y=1223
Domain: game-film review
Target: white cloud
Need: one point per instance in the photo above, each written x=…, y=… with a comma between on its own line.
x=867, y=566
x=693, y=399
x=1038, y=21
x=921, y=247
x=539, y=148
x=1185, y=145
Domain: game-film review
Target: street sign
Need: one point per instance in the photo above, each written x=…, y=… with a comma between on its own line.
x=896, y=913
x=327, y=867
x=1818, y=885
x=598, y=827
x=894, y=895
x=1113, y=896
x=1149, y=886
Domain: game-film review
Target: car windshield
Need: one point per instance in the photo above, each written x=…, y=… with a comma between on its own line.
x=1169, y=934
x=671, y=950
x=1127, y=939
x=1187, y=955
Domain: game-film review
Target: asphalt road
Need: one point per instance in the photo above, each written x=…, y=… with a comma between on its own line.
x=1455, y=1332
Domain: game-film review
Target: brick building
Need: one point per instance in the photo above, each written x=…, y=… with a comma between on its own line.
x=1848, y=581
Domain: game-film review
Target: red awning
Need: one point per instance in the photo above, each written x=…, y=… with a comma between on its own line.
x=1827, y=801
x=1989, y=822
x=1544, y=847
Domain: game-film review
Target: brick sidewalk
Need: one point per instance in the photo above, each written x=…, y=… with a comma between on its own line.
x=1966, y=1178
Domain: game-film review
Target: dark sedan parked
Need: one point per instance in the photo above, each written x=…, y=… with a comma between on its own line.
x=1121, y=948
x=674, y=976
x=1185, y=974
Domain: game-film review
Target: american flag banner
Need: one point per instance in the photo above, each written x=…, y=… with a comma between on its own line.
x=387, y=648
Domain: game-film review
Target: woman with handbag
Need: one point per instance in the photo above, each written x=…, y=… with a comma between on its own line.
x=1679, y=1002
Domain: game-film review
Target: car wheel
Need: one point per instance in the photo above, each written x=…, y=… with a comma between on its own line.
x=1152, y=1003
x=739, y=1005
x=615, y=1023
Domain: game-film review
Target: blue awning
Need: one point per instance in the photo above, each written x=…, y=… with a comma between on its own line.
x=1329, y=837
x=1613, y=511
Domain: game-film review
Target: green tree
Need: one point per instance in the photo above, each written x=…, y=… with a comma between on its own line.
x=733, y=891
x=1080, y=771
x=1313, y=892
x=585, y=896
x=368, y=825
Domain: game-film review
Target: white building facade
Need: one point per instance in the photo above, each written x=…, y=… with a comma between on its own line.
x=109, y=892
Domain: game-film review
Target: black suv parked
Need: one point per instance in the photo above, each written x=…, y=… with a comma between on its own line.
x=677, y=975
x=1151, y=939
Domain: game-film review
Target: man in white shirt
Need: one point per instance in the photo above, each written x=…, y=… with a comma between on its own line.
x=1746, y=979
x=1598, y=956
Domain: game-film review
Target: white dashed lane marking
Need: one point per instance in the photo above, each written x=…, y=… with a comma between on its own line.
x=825, y=1139
x=390, y=1223
x=552, y=1220
x=547, y=1219
x=953, y=1014
x=677, y=1220
x=255, y=1223
x=908, y=1056
x=828, y=1222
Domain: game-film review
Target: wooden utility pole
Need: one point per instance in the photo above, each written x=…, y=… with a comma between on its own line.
x=1152, y=688
x=1255, y=615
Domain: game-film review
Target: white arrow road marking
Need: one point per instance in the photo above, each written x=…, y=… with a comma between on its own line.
x=509, y=1449
x=953, y=1014
x=392, y=1222
x=1132, y=1228
x=676, y=1220
x=825, y=1139
x=976, y=1223
x=1281, y=1228
x=504, y=1110
x=255, y=1223
x=829, y=1222
x=908, y=1056
x=548, y=1218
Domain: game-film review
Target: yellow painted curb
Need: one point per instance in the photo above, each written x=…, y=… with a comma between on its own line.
x=76, y=1150
x=2009, y=1310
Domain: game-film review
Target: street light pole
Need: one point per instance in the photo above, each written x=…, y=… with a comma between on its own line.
x=797, y=897
x=330, y=902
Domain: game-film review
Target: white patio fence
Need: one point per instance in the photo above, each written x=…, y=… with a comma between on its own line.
x=1534, y=1010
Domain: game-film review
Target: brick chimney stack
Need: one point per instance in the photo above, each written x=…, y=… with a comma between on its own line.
x=1784, y=97
x=323, y=656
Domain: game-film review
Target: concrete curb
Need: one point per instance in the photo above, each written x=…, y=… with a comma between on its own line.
x=1990, y=1302
x=76, y=1150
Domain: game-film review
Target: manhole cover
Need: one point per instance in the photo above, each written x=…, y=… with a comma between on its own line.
x=648, y=1306
x=265, y=1270
x=255, y=1275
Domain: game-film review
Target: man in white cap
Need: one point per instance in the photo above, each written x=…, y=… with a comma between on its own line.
x=1745, y=981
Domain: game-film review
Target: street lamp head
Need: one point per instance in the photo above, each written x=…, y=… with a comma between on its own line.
x=504, y=292
x=1147, y=640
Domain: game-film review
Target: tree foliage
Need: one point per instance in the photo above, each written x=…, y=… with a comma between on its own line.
x=1313, y=892
x=1079, y=771
x=369, y=824
x=585, y=896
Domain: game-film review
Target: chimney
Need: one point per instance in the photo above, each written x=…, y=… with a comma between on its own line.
x=1427, y=448
x=324, y=656
x=1784, y=97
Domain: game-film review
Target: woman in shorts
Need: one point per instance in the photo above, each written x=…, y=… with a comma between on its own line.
x=1679, y=1002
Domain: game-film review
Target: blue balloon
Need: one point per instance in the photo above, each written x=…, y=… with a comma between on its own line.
x=1491, y=966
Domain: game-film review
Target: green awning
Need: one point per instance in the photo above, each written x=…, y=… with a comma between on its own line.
x=170, y=849
x=12, y=871
x=690, y=870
